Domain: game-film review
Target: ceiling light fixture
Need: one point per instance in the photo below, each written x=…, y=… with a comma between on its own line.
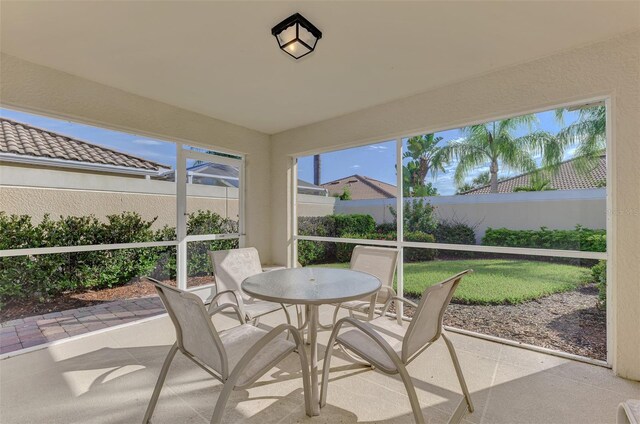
x=296, y=36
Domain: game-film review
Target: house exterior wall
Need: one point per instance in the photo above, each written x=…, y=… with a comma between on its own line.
x=610, y=68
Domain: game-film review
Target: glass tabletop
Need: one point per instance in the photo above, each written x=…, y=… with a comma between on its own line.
x=311, y=285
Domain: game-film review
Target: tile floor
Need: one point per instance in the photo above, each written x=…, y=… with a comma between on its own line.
x=108, y=378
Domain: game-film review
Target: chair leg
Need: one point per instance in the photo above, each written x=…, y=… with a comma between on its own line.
x=329, y=326
x=156, y=391
x=306, y=378
x=326, y=366
x=335, y=315
x=456, y=365
x=218, y=412
x=411, y=392
x=288, y=317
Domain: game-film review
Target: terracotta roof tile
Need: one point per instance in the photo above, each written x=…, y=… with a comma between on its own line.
x=361, y=187
x=22, y=139
x=566, y=178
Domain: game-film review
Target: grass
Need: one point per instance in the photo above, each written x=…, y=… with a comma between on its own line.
x=494, y=281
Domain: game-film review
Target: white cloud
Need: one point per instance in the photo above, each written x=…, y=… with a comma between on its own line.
x=355, y=166
x=146, y=142
x=377, y=147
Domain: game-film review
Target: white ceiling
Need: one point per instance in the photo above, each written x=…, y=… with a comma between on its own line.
x=220, y=59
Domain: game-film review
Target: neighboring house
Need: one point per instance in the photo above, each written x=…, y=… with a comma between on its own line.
x=222, y=175
x=361, y=187
x=28, y=146
x=45, y=173
x=567, y=177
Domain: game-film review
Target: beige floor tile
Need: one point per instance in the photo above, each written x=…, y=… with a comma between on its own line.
x=526, y=395
x=109, y=378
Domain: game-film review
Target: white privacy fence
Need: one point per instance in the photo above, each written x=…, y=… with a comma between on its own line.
x=561, y=209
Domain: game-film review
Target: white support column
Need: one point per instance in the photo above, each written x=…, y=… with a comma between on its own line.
x=181, y=216
x=241, y=194
x=293, y=213
x=400, y=228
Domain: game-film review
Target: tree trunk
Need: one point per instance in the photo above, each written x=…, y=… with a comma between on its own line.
x=494, y=176
x=316, y=170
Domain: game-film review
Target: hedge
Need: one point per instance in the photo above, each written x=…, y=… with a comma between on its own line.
x=411, y=254
x=455, y=233
x=580, y=238
x=311, y=252
x=44, y=276
x=354, y=224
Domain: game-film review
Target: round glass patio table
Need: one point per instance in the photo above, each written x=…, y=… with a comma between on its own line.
x=311, y=287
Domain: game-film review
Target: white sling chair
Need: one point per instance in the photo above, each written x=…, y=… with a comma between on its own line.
x=231, y=268
x=391, y=347
x=381, y=263
x=237, y=356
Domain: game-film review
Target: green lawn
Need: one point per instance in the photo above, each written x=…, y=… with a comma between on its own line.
x=494, y=281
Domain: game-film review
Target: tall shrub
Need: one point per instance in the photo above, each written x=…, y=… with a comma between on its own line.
x=419, y=216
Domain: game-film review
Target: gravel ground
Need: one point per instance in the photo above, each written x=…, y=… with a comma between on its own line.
x=569, y=322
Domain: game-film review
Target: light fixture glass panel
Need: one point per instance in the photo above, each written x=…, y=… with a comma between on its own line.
x=296, y=49
x=287, y=35
x=307, y=37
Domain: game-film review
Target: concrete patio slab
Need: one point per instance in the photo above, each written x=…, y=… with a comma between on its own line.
x=108, y=378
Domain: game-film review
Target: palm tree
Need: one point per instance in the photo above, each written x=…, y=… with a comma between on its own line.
x=496, y=144
x=481, y=180
x=589, y=132
x=538, y=181
x=425, y=158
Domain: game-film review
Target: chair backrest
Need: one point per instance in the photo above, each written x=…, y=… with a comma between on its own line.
x=231, y=267
x=426, y=324
x=378, y=261
x=195, y=333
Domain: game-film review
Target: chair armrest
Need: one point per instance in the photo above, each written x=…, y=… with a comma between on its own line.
x=389, y=290
x=235, y=294
x=398, y=298
x=219, y=308
x=369, y=331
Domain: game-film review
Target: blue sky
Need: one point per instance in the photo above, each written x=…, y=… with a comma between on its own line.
x=378, y=160
x=375, y=161
x=147, y=148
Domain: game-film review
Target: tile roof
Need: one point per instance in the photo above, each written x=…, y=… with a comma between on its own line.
x=22, y=139
x=361, y=187
x=567, y=177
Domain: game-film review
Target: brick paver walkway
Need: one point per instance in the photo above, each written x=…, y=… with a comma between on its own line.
x=31, y=331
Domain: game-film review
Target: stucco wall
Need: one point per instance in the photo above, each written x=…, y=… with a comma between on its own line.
x=518, y=211
x=36, y=202
x=309, y=205
x=38, y=191
x=610, y=68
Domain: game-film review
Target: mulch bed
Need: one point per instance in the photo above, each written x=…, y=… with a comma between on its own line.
x=22, y=308
x=570, y=322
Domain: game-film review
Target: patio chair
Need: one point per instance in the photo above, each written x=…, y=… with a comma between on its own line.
x=230, y=268
x=391, y=347
x=237, y=357
x=381, y=263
